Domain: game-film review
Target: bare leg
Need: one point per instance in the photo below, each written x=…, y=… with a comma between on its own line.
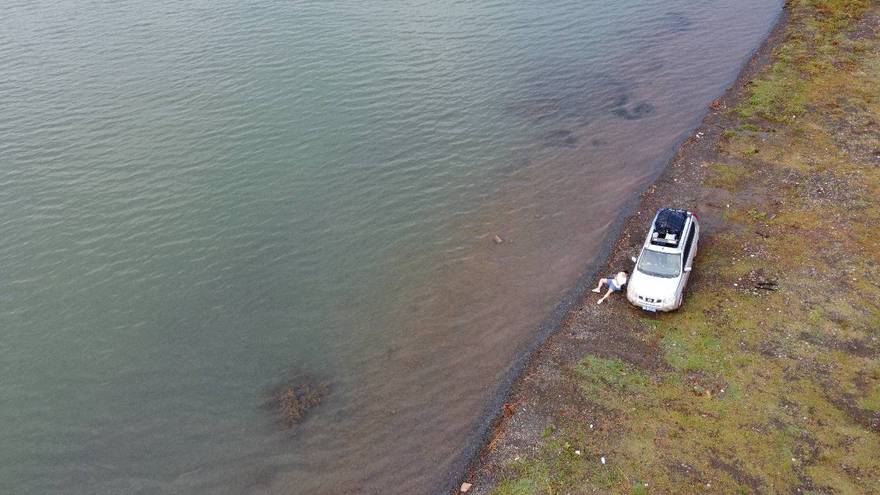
x=599, y=287
x=605, y=296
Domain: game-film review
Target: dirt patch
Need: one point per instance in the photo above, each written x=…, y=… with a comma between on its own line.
x=754, y=484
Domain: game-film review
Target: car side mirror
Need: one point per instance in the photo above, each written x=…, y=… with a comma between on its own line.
x=687, y=268
x=634, y=259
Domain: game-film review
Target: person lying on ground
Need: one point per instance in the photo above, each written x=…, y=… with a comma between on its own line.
x=614, y=284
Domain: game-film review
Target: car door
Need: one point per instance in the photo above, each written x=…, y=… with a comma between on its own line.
x=695, y=232
x=687, y=256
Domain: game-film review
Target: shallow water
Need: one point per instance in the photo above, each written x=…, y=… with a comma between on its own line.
x=198, y=197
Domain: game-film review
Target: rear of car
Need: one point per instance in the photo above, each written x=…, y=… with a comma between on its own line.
x=665, y=261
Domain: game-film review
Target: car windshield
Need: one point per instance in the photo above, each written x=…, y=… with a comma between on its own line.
x=657, y=264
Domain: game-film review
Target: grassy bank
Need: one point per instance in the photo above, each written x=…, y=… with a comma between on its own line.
x=768, y=378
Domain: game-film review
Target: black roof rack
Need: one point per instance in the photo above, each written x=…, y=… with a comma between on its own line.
x=668, y=227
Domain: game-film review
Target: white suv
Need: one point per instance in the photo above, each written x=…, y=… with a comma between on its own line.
x=664, y=265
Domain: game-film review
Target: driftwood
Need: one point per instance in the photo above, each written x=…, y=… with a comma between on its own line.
x=767, y=285
x=760, y=280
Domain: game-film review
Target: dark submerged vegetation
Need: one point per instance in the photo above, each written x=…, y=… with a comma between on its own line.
x=291, y=400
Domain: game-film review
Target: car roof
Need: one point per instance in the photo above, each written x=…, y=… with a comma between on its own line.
x=667, y=230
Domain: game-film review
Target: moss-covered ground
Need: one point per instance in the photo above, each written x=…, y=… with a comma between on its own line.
x=769, y=377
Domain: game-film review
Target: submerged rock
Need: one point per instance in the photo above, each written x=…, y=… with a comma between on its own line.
x=637, y=112
x=562, y=138
x=291, y=400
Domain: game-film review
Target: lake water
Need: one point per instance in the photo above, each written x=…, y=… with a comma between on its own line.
x=199, y=199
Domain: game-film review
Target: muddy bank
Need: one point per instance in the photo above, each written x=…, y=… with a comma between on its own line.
x=761, y=380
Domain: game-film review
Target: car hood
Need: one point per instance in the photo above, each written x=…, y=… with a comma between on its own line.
x=645, y=285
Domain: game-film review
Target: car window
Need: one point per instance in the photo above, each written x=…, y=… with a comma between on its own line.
x=657, y=264
x=689, y=242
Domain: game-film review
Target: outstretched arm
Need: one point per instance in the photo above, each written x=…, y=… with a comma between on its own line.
x=610, y=290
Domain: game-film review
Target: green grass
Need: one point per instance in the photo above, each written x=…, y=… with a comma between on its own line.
x=780, y=95
x=606, y=380
x=871, y=401
x=750, y=150
x=695, y=353
x=726, y=176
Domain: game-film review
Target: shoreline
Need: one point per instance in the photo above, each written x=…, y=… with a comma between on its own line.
x=517, y=420
x=494, y=415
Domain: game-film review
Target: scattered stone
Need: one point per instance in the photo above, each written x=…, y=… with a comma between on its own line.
x=465, y=487
x=497, y=239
